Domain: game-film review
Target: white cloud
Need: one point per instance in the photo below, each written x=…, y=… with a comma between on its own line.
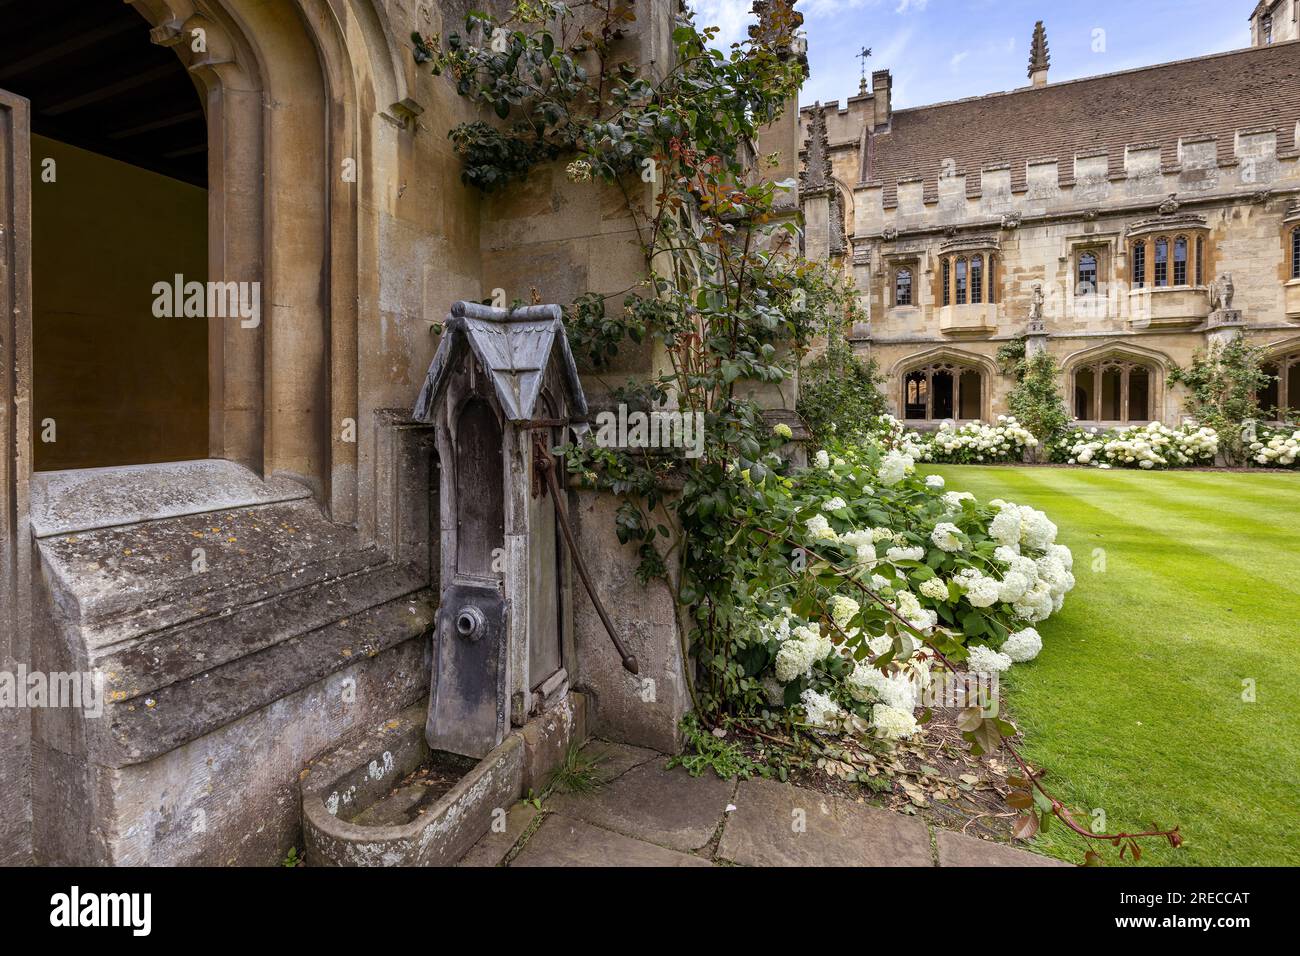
x=732, y=17
x=905, y=5
x=955, y=63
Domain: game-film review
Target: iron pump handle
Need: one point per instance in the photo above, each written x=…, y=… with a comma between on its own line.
x=542, y=458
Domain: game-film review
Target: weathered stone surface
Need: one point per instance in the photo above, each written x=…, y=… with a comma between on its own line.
x=644, y=709
x=776, y=824
x=438, y=837
x=609, y=760
x=565, y=841
x=230, y=797
x=70, y=502
x=957, y=849
x=491, y=850
x=667, y=807
x=548, y=736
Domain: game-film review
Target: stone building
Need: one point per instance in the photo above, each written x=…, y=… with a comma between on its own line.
x=1120, y=222
x=218, y=499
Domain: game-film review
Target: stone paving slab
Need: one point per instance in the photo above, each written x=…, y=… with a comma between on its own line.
x=562, y=840
x=667, y=807
x=612, y=760
x=776, y=824
x=491, y=850
x=957, y=849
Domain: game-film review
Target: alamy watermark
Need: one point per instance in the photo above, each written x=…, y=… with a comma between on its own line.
x=209, y=300
x=962, y=690
x=80, y=690
x=658, y=429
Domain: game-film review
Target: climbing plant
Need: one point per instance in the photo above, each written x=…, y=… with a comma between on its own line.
x=1223, y=383
x=1035, y=401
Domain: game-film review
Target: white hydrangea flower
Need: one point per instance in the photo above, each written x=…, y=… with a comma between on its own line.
x=894, y=468
x=880, y=644
x=819, y=528
x=1005, y=526
x=1013, y=587
x=952, y=499
x=916, y=553
x=936, y=589
x=1023, y=645
x=946, y=537
x=822, y=460
x=985, y=660
x=934, y=481
x=821, y=710
x=863, y=543
x=867, y=683
x=982, y=591
x=834, y=504
x=893, y=723
x=842, y=609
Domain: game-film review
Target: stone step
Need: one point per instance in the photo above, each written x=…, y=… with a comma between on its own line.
x=143, y=726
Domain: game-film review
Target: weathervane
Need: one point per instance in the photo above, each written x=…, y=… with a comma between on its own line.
x=862, y=55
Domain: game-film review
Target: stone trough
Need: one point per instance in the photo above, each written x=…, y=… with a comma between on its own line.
x=354, y=809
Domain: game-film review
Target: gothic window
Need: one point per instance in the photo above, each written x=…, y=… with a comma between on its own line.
x=903, y=287
x=1266, y=28
x=1200, y=260
x=1162, y=263
x=968, y=279
x=1139, y=265
x=1087, y=274
x=1281, y=398
x=1113, y=390
x=1180, y=261
x=943, y=390
x=1295, y=253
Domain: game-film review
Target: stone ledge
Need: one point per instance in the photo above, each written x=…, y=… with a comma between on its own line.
x=70, y=502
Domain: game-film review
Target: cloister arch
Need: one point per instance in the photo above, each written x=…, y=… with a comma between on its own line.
x=1116, y=383
x=943, y=383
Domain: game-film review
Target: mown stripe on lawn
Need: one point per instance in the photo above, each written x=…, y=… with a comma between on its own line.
x=1237, y=548
x=1136, y=704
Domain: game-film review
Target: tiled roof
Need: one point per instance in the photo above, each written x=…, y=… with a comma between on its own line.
x=1221, y=94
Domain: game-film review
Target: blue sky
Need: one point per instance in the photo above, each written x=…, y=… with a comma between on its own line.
x=948, y=49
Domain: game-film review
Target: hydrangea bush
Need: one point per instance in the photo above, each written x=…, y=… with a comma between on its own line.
x=1138, y=446
x=974, y=443
x=1269, y=447
x=882, y=572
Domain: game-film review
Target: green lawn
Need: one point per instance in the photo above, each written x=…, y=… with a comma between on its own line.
x=1188, y=586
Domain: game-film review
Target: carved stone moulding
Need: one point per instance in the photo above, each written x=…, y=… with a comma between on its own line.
x=1184, y=221
x=981, y=243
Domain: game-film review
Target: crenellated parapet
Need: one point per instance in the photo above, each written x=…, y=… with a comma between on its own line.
x=1253, y=163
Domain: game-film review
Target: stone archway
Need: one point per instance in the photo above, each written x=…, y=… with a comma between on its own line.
x=291, y=90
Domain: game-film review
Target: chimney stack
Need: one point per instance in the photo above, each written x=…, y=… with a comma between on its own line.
x=1039, y=58
x=881, y=85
